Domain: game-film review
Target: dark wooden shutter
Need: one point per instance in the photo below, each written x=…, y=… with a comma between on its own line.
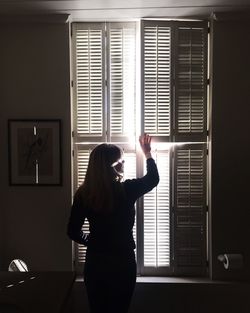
x=190, y=108
x=190, y=209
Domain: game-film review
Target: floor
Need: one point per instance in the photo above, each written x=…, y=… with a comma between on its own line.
x=176, y=295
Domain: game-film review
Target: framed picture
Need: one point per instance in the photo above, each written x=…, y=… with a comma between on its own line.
x=35, y=152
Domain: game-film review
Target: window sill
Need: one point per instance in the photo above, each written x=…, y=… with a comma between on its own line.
x=174, y=280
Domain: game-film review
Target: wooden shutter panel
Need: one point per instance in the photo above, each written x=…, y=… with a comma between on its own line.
x=82, y=160
x=157, y=78
x=157, y=219
x=89, y=79
x=190, y=210
x=191, y=82
x=82, y=164
x=121, y=82
x=130, y=173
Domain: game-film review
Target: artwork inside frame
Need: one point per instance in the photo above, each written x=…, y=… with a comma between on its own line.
x=35, y=152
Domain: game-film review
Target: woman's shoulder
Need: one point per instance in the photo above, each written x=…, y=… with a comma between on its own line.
x=130, y=184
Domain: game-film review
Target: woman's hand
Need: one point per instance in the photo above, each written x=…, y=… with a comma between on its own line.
x=145, y=142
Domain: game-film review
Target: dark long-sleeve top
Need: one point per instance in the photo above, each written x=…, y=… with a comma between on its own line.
x=111, y=232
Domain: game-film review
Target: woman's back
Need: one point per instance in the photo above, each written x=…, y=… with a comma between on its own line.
x=112, y=230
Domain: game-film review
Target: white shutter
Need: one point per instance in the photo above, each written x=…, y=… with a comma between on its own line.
x=157, y=218
x=82, y=164
x=191, y=82
x=129, y=165
x=190, y=210
x=89, y=79
x=130, y=173
x=122, y=79
x=157, y=74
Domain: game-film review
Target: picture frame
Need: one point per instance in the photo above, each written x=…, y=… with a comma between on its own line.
x=35, y=157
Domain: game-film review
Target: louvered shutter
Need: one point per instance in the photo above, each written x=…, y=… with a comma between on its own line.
x=191, y=82
x=82, y=164
x=156, y=219
x=157, y=78
x=82, y=160
x=89, y=80
x=190, y=210
x=130, y=173
x=121, y=82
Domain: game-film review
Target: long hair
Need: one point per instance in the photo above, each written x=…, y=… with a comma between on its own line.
x=98, y=189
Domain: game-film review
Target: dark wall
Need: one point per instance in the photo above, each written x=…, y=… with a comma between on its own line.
x=35, y=84
x=230, y=131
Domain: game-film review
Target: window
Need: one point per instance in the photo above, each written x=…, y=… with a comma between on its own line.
x=114, y=100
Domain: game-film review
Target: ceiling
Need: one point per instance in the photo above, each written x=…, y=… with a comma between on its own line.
x=123, y=9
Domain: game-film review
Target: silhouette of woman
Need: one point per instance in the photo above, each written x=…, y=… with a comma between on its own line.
x=108, y=204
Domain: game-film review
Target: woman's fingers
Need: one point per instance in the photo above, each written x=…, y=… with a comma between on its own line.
x=145, y=142
x=147, y=139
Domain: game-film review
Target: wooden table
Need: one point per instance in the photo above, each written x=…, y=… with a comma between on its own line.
x=35, y=292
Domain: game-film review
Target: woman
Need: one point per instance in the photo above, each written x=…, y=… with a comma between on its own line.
x=108, y=204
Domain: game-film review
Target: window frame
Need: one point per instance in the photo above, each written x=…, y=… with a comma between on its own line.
x=93, y=140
